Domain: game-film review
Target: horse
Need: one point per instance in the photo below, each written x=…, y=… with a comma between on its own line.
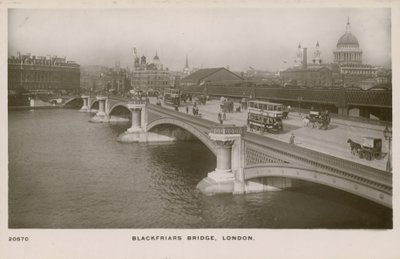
x=355, y=147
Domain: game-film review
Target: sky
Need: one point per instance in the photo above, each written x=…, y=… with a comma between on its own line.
x=265, y=39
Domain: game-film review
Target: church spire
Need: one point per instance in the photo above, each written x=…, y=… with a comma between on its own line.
x=317, y=54
x=187, y=62
x=348, y=25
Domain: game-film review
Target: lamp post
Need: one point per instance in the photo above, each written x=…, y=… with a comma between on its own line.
x=299, y=99
x=387, y=132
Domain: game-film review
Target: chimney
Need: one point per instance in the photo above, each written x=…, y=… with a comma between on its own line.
x=305, y=58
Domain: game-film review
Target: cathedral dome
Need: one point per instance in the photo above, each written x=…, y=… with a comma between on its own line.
x=347, y=40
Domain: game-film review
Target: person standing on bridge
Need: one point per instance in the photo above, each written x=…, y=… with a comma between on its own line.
x=187, y=109
x=220, y=117
x=291, y=140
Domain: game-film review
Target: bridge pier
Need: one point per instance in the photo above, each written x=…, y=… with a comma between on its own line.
x=101, y=115
x=137, y=131
x=86, y=103
x=344, y=111
x=136, y=119
x=222, y=179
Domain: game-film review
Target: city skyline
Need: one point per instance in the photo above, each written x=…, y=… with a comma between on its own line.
x=265, y=39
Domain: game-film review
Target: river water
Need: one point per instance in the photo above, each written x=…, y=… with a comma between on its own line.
x=65, y=172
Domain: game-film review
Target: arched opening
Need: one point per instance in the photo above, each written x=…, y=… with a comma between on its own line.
x=120, y=113
x=75, y=103
x=173, y=133
x=169, y=122
x=94, y=107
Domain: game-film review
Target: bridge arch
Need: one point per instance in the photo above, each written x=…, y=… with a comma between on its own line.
x=199, y=134
x=72, y=99
x=119, y=106
x=379, y=193
x=92, y=105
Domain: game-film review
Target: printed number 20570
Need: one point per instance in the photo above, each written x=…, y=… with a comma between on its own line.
x=18, y=239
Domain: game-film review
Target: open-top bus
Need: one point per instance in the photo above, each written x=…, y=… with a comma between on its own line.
x=172, y=96
x=265, y=116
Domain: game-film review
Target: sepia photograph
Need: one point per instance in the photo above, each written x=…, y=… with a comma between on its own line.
x=198, y=119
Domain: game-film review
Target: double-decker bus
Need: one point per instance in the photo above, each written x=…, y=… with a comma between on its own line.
x=172, y=96
x=265, y=116
x=266, y=106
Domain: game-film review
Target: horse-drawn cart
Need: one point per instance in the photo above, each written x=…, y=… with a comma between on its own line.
x=370, y=148
x=316, y=119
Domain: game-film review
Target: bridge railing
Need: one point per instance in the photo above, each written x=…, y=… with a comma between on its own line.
x=341, y=167
x=227, y=129
x=186, y=117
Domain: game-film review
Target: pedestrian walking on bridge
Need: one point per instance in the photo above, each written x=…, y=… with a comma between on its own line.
x=220, y=117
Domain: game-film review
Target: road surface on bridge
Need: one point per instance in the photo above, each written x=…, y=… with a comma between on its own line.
x=332, y=141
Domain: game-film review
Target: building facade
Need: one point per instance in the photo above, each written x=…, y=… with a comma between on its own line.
x=36, y=74
x=149, y=76
x=91, y=78
x=104, y=79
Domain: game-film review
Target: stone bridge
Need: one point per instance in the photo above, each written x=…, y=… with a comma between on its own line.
x=246, y=162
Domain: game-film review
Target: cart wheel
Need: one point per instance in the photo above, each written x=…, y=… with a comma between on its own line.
x=368, y=156
x=360, y=154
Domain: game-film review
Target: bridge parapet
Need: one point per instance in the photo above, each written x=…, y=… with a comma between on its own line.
x=137, y=101
x=376, y=182
x=101, y=97
x=227, y=130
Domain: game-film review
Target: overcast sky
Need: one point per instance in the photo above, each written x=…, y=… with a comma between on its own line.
x=261, y=38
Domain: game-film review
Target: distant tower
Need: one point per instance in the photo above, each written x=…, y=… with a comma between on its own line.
x=135, y=58
x=317, y=55
x=299, y=56
x=117, y=67
x=143, y=60
x=186, y=69
x=157, y=62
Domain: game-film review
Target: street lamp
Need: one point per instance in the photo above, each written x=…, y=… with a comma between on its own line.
x=387, y=132
x=299, y=99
